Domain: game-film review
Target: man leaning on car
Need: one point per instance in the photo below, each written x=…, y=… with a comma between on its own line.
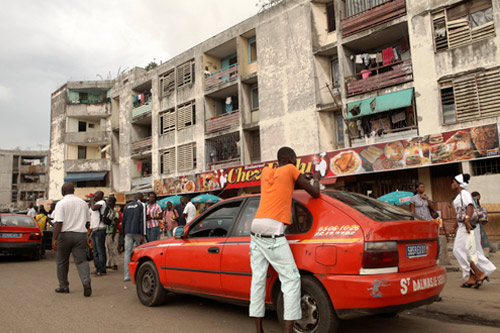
x=268, y=242
x=70, y=236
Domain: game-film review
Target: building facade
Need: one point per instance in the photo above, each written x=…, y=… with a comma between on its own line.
x=319, y=76
x=23, y=178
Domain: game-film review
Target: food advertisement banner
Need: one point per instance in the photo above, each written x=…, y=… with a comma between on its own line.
x=447, y=147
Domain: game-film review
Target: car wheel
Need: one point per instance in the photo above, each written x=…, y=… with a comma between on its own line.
x=149, y=288
x=35, y=255
x=317, y=310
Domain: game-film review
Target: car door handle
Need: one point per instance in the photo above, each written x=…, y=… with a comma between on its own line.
x=213, y=250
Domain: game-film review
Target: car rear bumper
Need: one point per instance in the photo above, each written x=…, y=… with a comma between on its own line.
x=20, y=248
x=360, y=295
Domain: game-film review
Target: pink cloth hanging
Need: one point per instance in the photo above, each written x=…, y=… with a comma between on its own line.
x=387, y=56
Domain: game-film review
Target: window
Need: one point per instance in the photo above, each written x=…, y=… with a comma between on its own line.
x=185, y=74
x=186, y=157
x=254, y=96
x=167, y=159
x=335, y=72
x=475, y=95
x=354, y=7
x=82, y=152
x=247, y=215
x=82, y=126
x=462, y=24
x=91, y=125
x=167, y=121
x=252, y=50
x=216, y=222
x=167, y=83
x=448, y=103
x=488, y=166
x=93, y=183
x=339, y=130
x=186, y=115
x=330, y=16
x=18, y=221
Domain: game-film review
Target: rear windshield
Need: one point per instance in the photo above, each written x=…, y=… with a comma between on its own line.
x=374, y=209
x=17, y=221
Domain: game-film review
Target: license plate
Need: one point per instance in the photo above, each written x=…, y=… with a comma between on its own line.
x=10, y=235
x=416, y=251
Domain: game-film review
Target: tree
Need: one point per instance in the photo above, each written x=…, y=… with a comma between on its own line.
x=151, y=65
x=266, y=4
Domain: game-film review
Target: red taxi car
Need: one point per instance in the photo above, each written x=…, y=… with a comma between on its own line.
x=357, y=256
x=20, y=234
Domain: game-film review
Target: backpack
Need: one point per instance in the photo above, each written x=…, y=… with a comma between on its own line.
x=108, y=217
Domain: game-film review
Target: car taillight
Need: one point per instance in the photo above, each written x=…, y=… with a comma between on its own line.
x=380, y=254
x=35, y=236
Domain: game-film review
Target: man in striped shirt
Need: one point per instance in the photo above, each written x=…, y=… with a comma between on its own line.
x=153, y=217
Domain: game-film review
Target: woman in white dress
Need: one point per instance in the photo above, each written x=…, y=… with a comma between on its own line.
x=475, y=266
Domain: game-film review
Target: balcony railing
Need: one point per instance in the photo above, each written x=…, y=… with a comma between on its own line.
x=222, y=121
x=221, y=77
x=87, y=165
x=142, y=181
x=97, y=137
x=85, y=110
x=141, y=146
x=142, y=110
x=224, y=164
x=32, y=169
x=381, y=77
x=373, y=16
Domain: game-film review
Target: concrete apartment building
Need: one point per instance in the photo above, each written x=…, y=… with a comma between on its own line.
x=23, y=178
x=296, y=75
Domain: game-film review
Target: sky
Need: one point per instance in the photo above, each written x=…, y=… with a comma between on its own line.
x=46, y=43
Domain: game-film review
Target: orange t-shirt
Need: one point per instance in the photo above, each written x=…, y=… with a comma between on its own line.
x=276, y=188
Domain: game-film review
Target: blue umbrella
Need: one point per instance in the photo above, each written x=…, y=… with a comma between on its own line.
x=206, y=198
x=397, y=197
x=175, y=200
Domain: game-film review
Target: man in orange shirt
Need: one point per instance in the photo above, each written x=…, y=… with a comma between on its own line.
x=269, y=245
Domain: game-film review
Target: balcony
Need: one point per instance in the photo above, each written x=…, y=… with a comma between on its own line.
x=142, y=111
x=224, y=164
x=142, y=181
x=90, y=165
x=141, y=146
x=381, y=77
x=221, y=122
x=32, y=169
x=371, y=16
x=223, y=76
x=100, y=110
x=80, y=138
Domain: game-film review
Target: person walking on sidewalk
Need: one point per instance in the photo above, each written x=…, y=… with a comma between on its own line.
x=153, y=218
x=111, y=237
x=467, y=247
x=268, y=242
x=421, y=204
x=189, y=212
x=70, y=236
x=98, y=235
x=170, y=216
x=133, y=228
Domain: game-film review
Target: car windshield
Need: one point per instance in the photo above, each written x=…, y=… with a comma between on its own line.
x=17, y=221
x=377, y=210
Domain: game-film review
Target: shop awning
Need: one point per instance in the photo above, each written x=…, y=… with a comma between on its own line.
x=84, y=176
x=387, y=102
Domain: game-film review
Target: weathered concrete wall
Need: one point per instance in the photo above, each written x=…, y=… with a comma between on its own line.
x=57, y=145
x=5, y=180
x=321, y=37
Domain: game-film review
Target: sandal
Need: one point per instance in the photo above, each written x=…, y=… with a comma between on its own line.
x=467, y=285
x=479, y=283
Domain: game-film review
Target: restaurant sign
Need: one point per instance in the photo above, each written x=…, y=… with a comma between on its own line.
x=454, y=146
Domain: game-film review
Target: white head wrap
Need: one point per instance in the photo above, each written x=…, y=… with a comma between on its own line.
x=460, y=180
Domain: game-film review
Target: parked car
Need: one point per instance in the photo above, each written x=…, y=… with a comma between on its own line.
x=20, y=234
x=357, y=256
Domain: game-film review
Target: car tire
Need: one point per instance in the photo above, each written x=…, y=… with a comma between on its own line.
x=318, y=314
x=148, y=285
x=36, y=255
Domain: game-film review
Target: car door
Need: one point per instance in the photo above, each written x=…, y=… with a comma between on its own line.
x=193, y=263
x=236, y=272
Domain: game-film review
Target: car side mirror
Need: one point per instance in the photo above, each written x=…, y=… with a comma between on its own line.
x=179, y=232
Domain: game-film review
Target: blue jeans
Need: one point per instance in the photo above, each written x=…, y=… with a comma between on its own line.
x=99, y=244
x=131, y=241
x=152, y=233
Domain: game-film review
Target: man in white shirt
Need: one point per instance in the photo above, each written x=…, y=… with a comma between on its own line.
x=31, y=210
x=189, y=212
x=70, y=236
x=98, y=229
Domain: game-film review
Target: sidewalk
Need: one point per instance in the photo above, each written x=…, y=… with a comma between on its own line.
x=476, y=305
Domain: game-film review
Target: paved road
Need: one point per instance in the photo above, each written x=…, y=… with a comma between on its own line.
x=28, y=304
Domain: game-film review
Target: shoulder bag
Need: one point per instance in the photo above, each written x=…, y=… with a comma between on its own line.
x=462, y=212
